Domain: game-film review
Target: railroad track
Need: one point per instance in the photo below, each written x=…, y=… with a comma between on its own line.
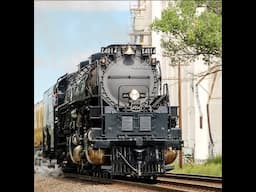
x=122, y=180
x=168, y=182
x=188, y=182
x=214, y=179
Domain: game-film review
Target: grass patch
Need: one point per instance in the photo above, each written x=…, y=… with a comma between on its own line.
x=213, y=167
x=214, y=160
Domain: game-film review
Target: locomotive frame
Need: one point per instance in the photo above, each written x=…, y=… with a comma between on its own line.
x=96, y=123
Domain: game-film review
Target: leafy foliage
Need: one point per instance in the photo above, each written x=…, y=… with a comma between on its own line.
x=189, y=33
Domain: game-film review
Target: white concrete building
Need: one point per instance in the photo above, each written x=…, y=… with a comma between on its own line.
x=195, y=124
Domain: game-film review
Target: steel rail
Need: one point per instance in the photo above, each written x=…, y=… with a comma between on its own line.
x=208, y=178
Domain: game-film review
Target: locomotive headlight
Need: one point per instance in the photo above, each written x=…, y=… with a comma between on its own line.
x=134, y=94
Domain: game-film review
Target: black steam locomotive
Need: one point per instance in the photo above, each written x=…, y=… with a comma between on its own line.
x=112, y=116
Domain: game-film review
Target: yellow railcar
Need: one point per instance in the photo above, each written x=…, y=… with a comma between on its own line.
x=38, y=123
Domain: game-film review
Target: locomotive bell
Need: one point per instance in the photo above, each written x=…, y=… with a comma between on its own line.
x=129, y=51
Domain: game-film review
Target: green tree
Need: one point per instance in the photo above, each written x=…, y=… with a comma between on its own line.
x=189, y=33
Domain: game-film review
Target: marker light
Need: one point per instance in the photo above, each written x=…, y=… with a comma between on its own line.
x=103, y=61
